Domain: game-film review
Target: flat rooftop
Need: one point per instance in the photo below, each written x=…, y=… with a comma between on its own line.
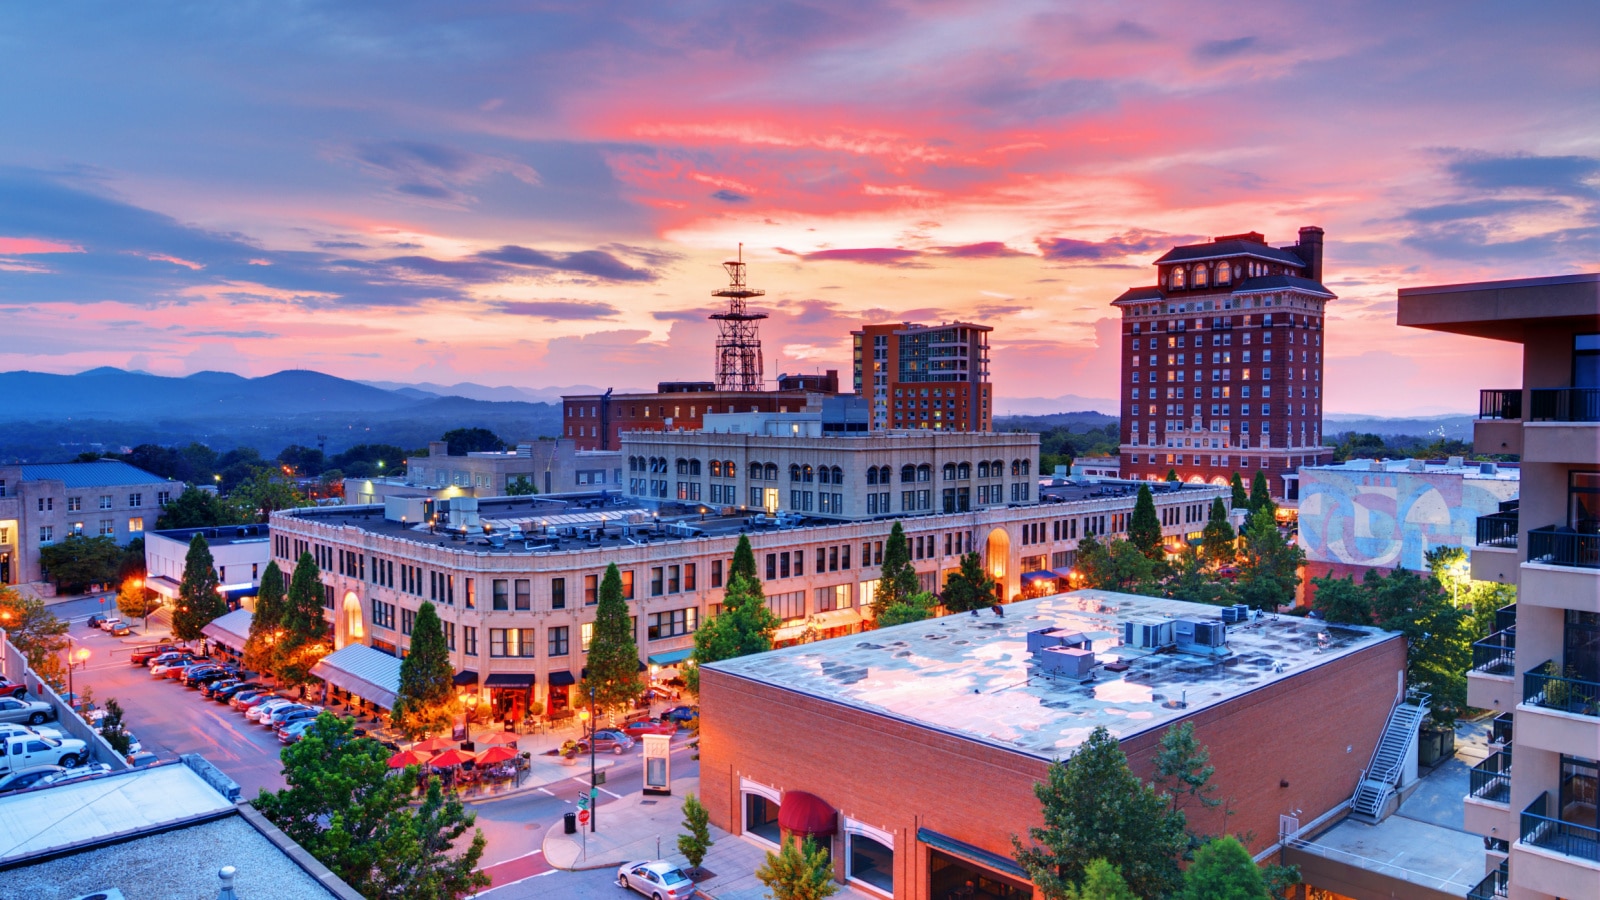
x=973, y=676
x=220, y=535
x=1502, y=310
x=1473, y=470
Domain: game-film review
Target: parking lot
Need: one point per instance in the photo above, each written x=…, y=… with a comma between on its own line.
x=169, y=719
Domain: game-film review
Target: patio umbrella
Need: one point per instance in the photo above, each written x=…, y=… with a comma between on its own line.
x=407, y=758
x=495, y=738
x=496, y=755
x=450, y=758
x=433, y=745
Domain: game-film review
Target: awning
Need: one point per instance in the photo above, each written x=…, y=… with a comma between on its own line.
x=230, y=630
x=972, y=854
x=671, y=657
x=164, y=586
x=1063, y=574
x=369, y=674
x=509, y=680
x=465, y=678
x=562, y=678
x=802, y=813
x=1038, y=576
x=837, y=618
x=789, y=632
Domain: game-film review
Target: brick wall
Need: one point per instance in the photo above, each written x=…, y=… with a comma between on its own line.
x=898, y=777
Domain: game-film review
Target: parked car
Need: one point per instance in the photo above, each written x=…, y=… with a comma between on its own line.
x=12, y=689
x=34, y=712
x=96, y=620
x=658, y=879
x=290, y=713
x=607, y=741
x=262, y=710
x=181, y=672
x=641, y=727
x=248, y=699
x=109, y=623
x=12, y=729
x=23, y=779
x=201, y=679
x=142, y=656
x=294, y=731
x=161, y=665
x=683, y=714
x=36, y=750
x=121, y=629
x=296, y=717
x=226, y=692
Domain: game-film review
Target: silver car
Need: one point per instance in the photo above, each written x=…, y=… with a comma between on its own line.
x=32, y=712
x=658, y=880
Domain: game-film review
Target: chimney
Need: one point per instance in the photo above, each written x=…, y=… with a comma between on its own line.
x=1310, y=250
x=438, y=449
x=226, y=877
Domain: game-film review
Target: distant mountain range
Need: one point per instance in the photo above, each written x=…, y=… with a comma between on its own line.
x=117, y=395
x=504, y=393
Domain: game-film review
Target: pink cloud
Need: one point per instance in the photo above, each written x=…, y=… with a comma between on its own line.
x=21, y=246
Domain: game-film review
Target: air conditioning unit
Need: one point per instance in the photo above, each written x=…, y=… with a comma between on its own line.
x=1211, y=634
x=1069, y=662
x=1148, y=634
x=1238, y=612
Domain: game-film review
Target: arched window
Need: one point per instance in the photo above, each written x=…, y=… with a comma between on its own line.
x=924, y=472
x=694, y=467
x=983, y=469
x=772, y=471
x=838, y=475
x=949, y=472
x=1177, y=278
x=997, y=469
x=908, y=473
x=728, y=469
x=1026, y=465
x=872, y=474
x=1016, y=468
x=794, y=472
x=716, y=468
x=806, y=474
x=883, y=474
x=1224, y=273
x=964, y=471
x=1201, y=276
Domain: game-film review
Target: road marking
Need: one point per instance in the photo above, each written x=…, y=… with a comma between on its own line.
x=543, y=791
x=515, y=858
x=518, y=881
x=604, y=791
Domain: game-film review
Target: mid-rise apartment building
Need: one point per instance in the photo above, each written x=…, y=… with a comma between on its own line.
x=596, y=421
x=1222, y=362
x=933, y=377
x=41, y=504
x=543, y=466
x=1540, y=818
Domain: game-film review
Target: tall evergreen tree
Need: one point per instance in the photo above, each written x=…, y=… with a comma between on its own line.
x=1218, y=537
x=800, y=870
x=304, y=640
x=899, y=579
x=744, y=626
x=1269, y=567
x=613, y=653
x=1223, y=870
x=1260, y=492
x=1241, y=498
x=1172, y=475
x=1095, y=808
x=198, y=600
x=969, y=587
x=744, y=561
x=1144, y=528
x=261, y=646
x=1184, y=769
x=426, y=702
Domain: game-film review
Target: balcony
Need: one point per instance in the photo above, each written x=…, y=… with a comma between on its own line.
x=1498, y=428
x=1493, y=885
x=1500, y=404
x=1553, y=546
x=1500, y=729
x=1491, y=682
x=1562, y=405
x=1490, y=780
x=1540, y=830
x=1544, y=689
x=1498, y=529
x=1496, y=654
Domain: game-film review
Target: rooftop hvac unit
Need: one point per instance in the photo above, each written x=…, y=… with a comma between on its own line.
x=1055, y=637
x=1068, y=662
x=1148, y=635
x=1238, y=612
x=1211, y=634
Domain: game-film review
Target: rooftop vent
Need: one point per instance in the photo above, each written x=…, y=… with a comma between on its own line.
x=1148, y=634
x=1061, y=652
x=1238, y=612
x=1488, y=468
x=1457, y=462
x=1205, y=637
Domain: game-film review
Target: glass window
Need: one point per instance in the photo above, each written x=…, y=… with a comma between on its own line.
x=501, y=588
x=761, y=818
x=870, y=862
x=558, y=593
x=524, y=594
x=591, y=590
x=557, y=636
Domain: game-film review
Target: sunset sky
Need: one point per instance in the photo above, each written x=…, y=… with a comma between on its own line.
x=539, y=194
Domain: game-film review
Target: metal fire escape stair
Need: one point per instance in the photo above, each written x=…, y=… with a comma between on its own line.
x=1382, y=776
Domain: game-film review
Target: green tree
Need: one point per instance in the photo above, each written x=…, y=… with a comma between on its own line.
x=522, y=487
x=1218, y=537
x=76, y=561
x=744, y=561
x=36, y=632
x=1118, y=566
x=613, y=654
x=1184, y=770
x=696, y=840
x=913, y=608
x=1438, y=651
x=1342, y=601
x=426, y=702
x=744, y=626
x=1189, y=579
x=136, y=601
x=1172, y=476
x=264, y=493
x=1241, y=499
x=898, y=580
x=112, y=730
x=1095, y=808
x=1269, y=566
x=800, y=870
x=370, y=460
x=1223, y=870
x=195, y=508
x=1453, y=569
x=303, y=460
x=969, y=587
x=266, y=622
x=472, y=440
x=1144, y=528
x=344, y=808
x=1101, y=881
x=1261, y=502
x=198, y=601
x=304, y=638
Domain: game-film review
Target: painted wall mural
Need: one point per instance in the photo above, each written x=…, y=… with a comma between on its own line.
x=1390, y=519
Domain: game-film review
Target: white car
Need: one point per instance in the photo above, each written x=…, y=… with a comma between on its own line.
x=658, y=880
x=255, y=713
x=11, y=729
x=108, y=624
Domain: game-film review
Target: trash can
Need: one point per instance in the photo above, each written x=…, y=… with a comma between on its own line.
x=569, y=823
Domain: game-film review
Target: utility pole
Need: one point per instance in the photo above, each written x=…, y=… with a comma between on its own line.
x=594, y=792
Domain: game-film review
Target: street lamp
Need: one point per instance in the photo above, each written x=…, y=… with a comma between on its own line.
x=78, y=657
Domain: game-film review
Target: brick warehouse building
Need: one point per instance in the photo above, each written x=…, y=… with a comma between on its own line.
x=1222, y=363
x=949, y=724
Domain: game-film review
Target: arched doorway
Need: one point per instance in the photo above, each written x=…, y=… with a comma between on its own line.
x=997, y=557
x=353, y=629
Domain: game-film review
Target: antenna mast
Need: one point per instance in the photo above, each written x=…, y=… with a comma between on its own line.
x=738, y=334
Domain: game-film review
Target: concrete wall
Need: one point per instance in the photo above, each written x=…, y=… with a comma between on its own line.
x=67, y=720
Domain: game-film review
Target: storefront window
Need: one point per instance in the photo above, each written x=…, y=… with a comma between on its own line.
x=761, y=818
x=870, y=862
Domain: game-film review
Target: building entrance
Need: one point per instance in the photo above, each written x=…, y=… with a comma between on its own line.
x=950, y=878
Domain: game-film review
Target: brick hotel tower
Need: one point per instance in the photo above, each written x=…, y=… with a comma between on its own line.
x=1222, y=363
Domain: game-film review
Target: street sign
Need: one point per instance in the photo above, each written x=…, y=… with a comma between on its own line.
x=594, y=793
x=600, y=777
x=583, y=801
x=583, y=817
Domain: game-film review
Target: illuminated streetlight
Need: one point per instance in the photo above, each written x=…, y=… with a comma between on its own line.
x=78, y=657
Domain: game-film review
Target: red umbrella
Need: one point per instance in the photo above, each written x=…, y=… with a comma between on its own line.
x=496, y=738
x=450, y=758
x=407, y=758
x=433, y=745
x=496, y=755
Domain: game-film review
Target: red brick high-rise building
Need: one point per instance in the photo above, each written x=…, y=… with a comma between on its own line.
x=925, y=376
x=1222, y=363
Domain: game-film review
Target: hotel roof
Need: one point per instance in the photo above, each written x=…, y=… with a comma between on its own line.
x=974, y=677
x=99, y=473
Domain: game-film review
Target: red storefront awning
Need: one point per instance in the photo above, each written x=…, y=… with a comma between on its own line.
x=802, y=813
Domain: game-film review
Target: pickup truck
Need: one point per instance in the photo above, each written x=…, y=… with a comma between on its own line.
x=11, y=689
x=22, y=751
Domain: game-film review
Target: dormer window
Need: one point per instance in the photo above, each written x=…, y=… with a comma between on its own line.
x=1177, y=278
x=1224, y=273
x=1200, y=276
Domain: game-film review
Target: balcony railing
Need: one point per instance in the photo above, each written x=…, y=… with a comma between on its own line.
x=1563, y=547
x=1496, y=654
x=1565, y=405
x=1498, y=529
x=1543, y=688
x=1505, y=618
x=1493, y=885
x=1539, y=829
x=1500, y=729
x=1491, y=779
x=1501, y=404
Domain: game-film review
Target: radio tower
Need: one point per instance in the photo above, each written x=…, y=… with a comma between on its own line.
x=738, y=335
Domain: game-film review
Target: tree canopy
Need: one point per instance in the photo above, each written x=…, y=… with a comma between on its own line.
x=744, y=626
x=613, y=652
x=195, y=508
x=1269, y=566
x=1241, y=498
x=1144, y=528
x=198, y=600
x=898, y=580
x=426, y=702
x=35, y=631
x=1118, y=566
x=1218, y=537
x=969, y=587
x=77, y=561
x=305, y=632
x=914, y=608
x=1223, y=870
x=462, y=441
x=261, y=646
